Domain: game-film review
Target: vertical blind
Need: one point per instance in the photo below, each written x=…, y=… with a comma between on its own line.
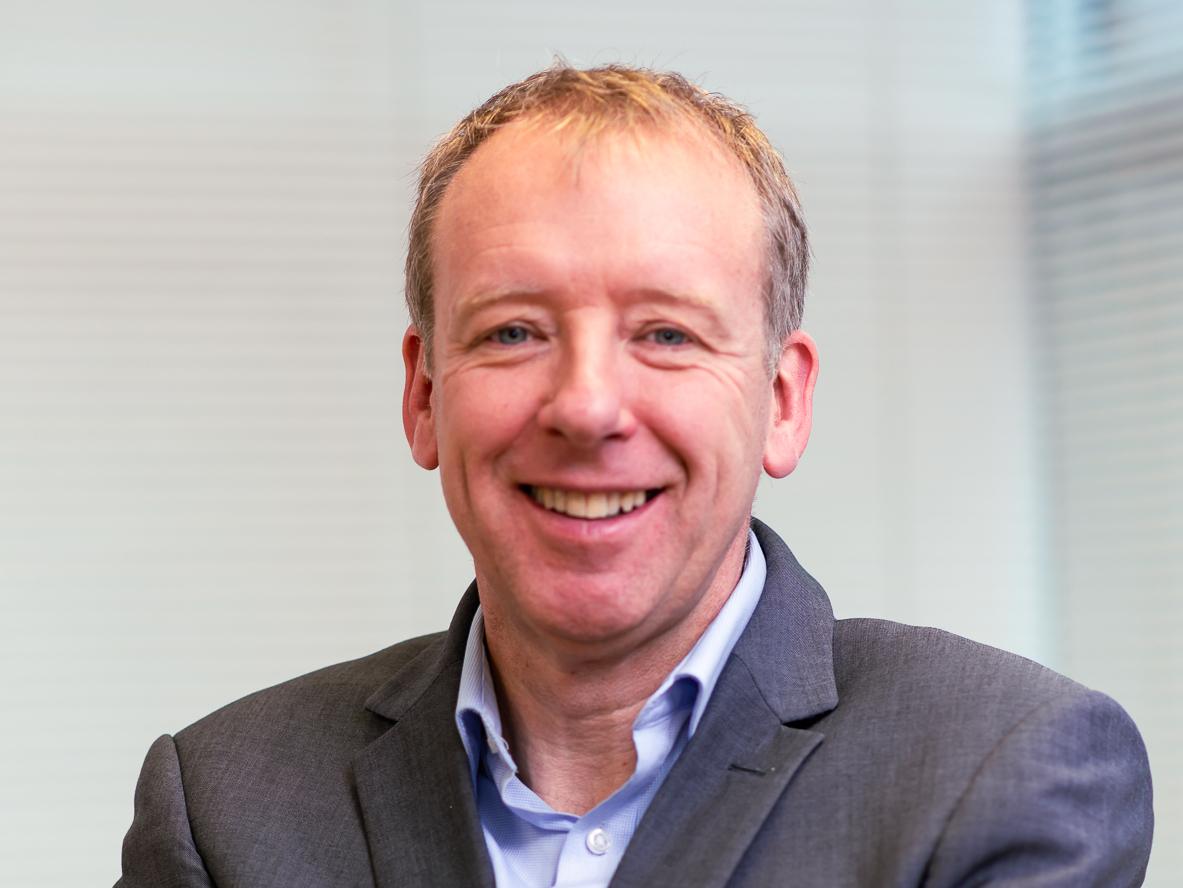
x=1105, y=163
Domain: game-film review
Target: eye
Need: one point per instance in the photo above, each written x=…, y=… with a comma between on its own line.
x=514, y=334
x=668, y=336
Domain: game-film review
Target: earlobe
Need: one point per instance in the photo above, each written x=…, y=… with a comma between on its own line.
x=792, y=405
x=418, y=415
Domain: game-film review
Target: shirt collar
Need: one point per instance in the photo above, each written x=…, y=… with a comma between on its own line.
x=704, y=664
x=478, y=717
x=477, y=711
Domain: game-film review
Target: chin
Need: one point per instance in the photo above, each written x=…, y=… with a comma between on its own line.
x=592, y=610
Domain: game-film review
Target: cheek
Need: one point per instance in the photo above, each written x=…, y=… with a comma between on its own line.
x=481, y=419
x=714, y=416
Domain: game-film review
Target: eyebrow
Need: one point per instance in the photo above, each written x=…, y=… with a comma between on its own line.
x=481, y=300
x=678, y=297
x=708, y=309
x=478, y=302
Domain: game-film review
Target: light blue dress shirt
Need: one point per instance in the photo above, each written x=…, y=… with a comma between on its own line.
x=534, y=846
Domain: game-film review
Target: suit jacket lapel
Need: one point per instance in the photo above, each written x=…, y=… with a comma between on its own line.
x=751, y=741
x=414, y=783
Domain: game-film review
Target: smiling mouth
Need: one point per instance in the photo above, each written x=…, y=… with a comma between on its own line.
x=594, y=506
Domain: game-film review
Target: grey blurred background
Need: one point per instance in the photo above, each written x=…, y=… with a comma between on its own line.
x=204, y=486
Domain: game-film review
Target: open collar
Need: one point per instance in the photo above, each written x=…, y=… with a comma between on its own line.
x=414, y=782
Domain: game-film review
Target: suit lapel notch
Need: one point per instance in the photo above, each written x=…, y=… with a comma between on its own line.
x=719, y=794
x=781, y=757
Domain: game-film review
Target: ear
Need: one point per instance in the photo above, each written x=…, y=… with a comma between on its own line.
x=418, y=413
x=792, y=405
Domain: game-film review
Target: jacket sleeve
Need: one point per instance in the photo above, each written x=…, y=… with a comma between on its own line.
x=159, y=850
x=1063, y=799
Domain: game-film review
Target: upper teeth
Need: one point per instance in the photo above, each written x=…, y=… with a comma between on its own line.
x=588, y=505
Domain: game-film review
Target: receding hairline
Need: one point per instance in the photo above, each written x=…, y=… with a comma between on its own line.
x=681, y=132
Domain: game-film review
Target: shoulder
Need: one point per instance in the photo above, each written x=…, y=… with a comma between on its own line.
x=936, y=689
x=1004, y=752
x=275, y=768
x=318, y=716
x=872, y=655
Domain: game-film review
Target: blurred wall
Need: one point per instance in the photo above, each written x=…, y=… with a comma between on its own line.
x=204, y=486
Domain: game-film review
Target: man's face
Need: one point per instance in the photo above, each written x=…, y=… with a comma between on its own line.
x=599, y=405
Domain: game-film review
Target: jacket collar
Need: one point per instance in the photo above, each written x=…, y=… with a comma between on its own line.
x=788, y=644
x=422, y=675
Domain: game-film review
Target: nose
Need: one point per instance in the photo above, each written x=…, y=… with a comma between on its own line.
x=588, y=401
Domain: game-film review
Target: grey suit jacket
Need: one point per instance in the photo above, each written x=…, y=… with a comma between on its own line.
x=849, y=753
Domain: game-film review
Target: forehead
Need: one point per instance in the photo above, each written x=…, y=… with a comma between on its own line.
x=570, y=154
x=673, y=202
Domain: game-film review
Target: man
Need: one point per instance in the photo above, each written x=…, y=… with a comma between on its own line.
x=643, y=687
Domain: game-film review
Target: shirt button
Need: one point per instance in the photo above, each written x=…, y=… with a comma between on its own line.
x=598, y=841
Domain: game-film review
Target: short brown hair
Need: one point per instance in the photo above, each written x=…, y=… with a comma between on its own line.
x=616, y=97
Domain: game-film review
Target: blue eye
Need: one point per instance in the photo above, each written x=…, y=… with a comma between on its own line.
x=512, y=335
x=669, y=336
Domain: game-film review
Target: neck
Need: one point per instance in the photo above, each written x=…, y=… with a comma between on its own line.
x=570, y=736
x=568, y=711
